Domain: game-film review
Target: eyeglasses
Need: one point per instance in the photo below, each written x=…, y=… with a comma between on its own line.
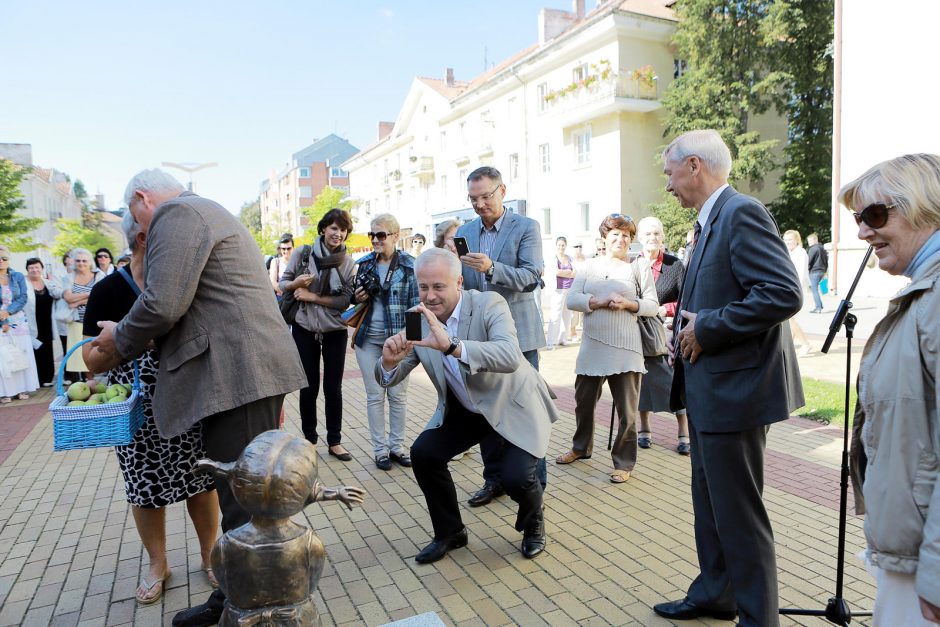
x=874, y=215
x=4, y=258
x=381, y=235
x=484, y=197
x=104, y=256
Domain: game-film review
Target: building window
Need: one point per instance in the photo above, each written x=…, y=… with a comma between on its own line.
x=304, y=173
x=585, y=215
x=444, y=187
x=514, y=167
x=582, y=146
x=443, y=141
x=541, y=91
x=337, y=172
x=579, y=73
x=545, y=158
x=679, y=67
x=547, y=220
x=463, y=176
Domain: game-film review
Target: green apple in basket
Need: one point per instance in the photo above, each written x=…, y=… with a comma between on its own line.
x=115, y=390
x=116, y=399
x=74, y=403
x=78, y=391
x=93, y=400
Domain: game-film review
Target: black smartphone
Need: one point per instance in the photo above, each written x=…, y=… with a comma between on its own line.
x=460, y=243
x=413, y=326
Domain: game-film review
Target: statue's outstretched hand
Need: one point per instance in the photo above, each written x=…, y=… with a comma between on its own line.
x=348, y=494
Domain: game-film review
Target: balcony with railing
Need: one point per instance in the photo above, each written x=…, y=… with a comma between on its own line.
x=422, y=168
x=636, y=91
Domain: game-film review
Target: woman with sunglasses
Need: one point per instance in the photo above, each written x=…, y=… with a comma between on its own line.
x=386, y=280
x=285, y=247
x=75, y=293
x=611, y=292
x=103, y=260
x=896, y=435
x=323, y=290
x=14, y=330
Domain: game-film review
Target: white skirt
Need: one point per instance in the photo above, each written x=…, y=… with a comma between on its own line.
x=22, y=380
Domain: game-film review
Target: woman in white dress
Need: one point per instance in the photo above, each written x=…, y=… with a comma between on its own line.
x=14, y=330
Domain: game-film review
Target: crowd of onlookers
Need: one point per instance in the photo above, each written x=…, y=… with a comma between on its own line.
x=42, y=311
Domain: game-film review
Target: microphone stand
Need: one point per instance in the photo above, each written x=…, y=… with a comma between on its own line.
x=837, y=609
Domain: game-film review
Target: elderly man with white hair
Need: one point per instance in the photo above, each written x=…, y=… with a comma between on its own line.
x=226, y=357
x=735, y=375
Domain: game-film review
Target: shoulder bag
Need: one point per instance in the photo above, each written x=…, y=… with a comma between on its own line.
x=289, y=305
x=652, y=331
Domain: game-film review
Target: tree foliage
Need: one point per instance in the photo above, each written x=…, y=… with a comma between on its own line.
x=328, y=198
x=746, y=58
x=250, y=215
x=89, y=232
x=78, y=189
x=14, y=228
x=800, y=34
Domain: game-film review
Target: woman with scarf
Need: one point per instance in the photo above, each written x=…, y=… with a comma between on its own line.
x=386, y=280
x=324, y=290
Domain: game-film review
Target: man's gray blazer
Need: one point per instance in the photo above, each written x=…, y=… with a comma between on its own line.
x=505, y=388
x=208, y=304
x=744, y=288
x=517, y=256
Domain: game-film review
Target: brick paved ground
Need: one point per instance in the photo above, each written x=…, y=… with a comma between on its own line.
x=70, y=555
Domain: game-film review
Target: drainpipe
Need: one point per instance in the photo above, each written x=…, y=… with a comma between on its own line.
x=836, y=142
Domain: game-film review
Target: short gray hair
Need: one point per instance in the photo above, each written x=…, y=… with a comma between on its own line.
x=81, y=251
x=387, y=220
x=441, y=231
x=131, y=228
x=442, y=255
x=155, y=180
x=651, y=220
x=707, y=145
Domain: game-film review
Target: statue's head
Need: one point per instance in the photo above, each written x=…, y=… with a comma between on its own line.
x=274, y=477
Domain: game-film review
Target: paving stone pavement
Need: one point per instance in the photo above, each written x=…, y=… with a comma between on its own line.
x=70, y=554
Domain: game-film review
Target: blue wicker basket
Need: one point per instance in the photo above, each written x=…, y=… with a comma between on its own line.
x=94, y=426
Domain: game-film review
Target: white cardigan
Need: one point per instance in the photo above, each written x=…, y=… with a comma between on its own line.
x=55, y=290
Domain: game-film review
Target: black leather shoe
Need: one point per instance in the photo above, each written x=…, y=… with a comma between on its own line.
x=533, y=538
x=686, y=610
x=203, y=615
x=486, y=494
x=402, y=459
x=345, y=456
x=439, y=548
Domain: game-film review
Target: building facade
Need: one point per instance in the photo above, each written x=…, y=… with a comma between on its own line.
x=284, y=194
x=47, y=194
x=574, y=123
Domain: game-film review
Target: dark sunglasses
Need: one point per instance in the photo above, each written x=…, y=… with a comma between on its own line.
x=381, y=235
x=4, y=258
x=874, y=215
x=104, y=256
x=620, y=215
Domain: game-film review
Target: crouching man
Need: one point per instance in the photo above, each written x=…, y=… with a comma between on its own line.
x=484, y=384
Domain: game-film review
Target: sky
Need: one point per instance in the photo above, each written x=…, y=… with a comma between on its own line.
x=104, y=89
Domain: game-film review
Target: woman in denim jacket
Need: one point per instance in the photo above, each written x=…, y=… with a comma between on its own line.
x=15, y=329
x=386, y=279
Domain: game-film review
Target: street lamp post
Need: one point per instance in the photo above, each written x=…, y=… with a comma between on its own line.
x=190, y=168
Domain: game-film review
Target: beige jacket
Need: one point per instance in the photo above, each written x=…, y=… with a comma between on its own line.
x=208, y=304
x=507, y=390
x=899, y=388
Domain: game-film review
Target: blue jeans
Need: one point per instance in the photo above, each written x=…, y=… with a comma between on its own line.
x=814, y=279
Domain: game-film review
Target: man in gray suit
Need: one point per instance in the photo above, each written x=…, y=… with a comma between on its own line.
x=734, y=373
x=226, y=356
x=484, y=386
x=506, y=258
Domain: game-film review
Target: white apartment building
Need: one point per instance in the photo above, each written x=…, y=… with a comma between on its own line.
x=47, y=194
x=574, y=123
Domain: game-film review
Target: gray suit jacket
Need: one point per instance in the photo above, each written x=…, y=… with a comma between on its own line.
x=517, y=256
x=507, y=390
x=208, y=304
x=744, y=288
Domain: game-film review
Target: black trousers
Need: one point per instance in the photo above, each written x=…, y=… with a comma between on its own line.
x=491, y=448
x=226, y=434
x=733, y=538
x=332, y=345
x=434, y=448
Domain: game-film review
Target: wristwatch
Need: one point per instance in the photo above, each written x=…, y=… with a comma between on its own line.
x=489, y=273
x=454, y=343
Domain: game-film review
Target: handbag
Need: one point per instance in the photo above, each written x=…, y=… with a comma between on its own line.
x=64, y=314
x=12, y=357
x=289, y=305
x=652, y=331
